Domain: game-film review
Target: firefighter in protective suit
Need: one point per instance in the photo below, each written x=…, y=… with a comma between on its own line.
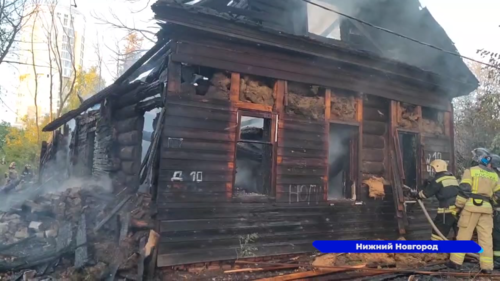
x=495, y=163
x=444, y=186
x=477, y=188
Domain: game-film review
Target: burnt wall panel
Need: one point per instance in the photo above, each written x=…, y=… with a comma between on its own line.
x=197, y=152
x=83, y=146
x=375, y=158
x=301, y=147
x=102, y=155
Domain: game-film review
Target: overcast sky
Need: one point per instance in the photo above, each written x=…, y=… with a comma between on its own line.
x=471, y=24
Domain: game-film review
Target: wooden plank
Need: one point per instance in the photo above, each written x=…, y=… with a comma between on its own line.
x=179, y=132
x=295, y=170
x=189, y=188
x=81, y=252
x=115, y=210
x=173, y=144
x=307, y=274
x=190, y=165
x=328, y=104
x=174, y=77
x=235, y=88
x=196, y=112
x=253, y=106
x=302, y=127
x=279, y=90
x=299, y=144
x=301, y=152
x=197, y=155
x=198, y=123
x=195, y=176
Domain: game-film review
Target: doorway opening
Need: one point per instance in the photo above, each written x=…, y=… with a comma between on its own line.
x=342, y=161
x=254, y=154
x=409, y=152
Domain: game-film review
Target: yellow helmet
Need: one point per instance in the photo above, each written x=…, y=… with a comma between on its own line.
x=439, y=165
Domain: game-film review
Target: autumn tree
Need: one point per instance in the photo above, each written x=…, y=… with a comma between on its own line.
x=22, y=145
x=87, y=83
x=477, y=117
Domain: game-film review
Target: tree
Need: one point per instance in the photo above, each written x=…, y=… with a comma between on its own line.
x=13, y=15
x=87, y=83
x=477, y=117
x=22, y=145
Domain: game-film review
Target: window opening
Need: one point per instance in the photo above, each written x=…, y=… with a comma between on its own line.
x=408, y=148
x=254, y=154
x=432, y=121
x=342, y=161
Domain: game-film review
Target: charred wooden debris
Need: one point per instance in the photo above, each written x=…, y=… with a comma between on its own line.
x=250, y=141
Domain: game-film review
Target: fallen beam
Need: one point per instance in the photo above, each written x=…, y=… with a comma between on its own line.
x=258, y=269
x=81, y=253
x=113, y=212
x=308, y=274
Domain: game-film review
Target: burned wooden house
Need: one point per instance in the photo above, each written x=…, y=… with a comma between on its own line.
x=265, y=130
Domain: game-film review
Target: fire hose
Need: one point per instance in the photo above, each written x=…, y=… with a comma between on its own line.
x=429, y=219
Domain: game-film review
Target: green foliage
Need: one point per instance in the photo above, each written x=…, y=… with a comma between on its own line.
x=21, y=144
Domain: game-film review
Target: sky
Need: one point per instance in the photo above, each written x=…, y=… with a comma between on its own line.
x=471, y=24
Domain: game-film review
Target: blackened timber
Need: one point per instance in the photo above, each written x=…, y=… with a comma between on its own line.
x=81, y=252
x=97, y=98
x=210, y=21
x=139, y=94
x=150, y=104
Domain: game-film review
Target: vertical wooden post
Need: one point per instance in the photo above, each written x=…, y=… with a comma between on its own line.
x=235, y=87
x=234, y=98
x=359, y=118
x=328, y=105
x=451, y=134
x=174, y=77
x=419, y=114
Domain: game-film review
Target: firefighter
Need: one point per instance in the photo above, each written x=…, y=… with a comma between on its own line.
x=444, y=186
x=478, y=185
x=495, y=163
x=12, y=173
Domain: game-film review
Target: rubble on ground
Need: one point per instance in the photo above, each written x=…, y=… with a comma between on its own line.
x=303, y=100
x=379, y=259
x=343, y=107
x=75, y=234
x=432, y=127
x=256, y=91
x=409, y=116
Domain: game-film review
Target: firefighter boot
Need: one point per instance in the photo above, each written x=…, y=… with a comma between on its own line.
x=496, y=262
x=453, y=265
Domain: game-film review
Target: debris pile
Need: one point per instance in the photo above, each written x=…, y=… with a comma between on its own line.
x=432, y=127
x=343, y=107
x=303, y=100
x=79, y=233
x=256, y=91
x=409, y=116
x=379, y=260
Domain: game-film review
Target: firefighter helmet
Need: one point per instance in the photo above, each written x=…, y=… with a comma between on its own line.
x=495, y=162
x=481, y=156
x=439, y=165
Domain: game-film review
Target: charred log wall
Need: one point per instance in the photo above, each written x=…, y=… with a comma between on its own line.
x=201, y=221
x=83, y=148
x=375, y=132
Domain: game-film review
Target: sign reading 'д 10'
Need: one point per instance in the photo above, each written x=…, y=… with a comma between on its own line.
x=398, y=246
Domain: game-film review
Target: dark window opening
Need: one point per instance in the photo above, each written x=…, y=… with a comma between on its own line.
x=432, y=121
x=408, y=147
x=342, y=161
x=254, y=156
x=205, y=81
